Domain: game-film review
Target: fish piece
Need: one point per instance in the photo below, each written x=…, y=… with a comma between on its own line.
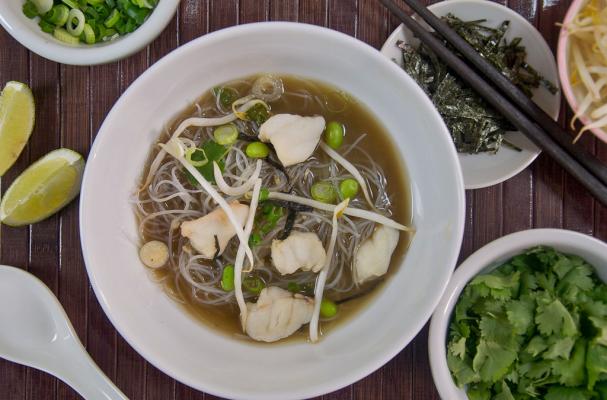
x=300, y=250
x=373, y=256
x=277, y=314
x=294, y=137
x=202, y=231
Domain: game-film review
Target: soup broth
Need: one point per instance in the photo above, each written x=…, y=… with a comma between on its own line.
x=195, y=283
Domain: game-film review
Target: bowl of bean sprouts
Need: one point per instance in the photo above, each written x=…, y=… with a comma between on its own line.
x=582, y=65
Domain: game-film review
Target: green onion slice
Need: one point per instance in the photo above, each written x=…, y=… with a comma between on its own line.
x=226, y=134
x=113, y=18
x=188, y=156
x=71, y=3
x=30, y=10
x=63, y=36
x=89, y=34
x=43, y=6
x=58, y=15
x=78, y=16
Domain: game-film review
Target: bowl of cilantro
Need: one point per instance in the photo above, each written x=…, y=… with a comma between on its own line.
x=524, y=317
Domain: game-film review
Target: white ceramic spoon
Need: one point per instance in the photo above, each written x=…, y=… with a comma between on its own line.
x=35, y=331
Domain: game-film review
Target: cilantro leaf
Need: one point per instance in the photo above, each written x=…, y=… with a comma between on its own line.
x=536, y=345
x=497, y=329
x=560, y=348
x=461, y=371
x=601, y=328
x=458, y=347
x=498, y=287
x=567, y=393
x=492, y=361
x=505, y=393
x=555, y=318
x=479, y=392
x=596, y=363
x=210, y=151
x=520, y=314
x=571, y=372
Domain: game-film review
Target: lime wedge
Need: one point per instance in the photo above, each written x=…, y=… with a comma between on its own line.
x=43, y=189
x=17, y=112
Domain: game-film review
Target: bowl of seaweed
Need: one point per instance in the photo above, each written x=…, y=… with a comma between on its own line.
x=490, y=150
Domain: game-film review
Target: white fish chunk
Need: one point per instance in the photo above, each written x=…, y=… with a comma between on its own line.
x=202, y=231
x=294, y=137
x=277, y=314
x=301, y=250
x=373, y=256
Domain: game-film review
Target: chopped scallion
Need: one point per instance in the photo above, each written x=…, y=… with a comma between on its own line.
x=89, y=34
x=226, y=134
x=30, y=10
x=113, y=18
x=71, y=4
x=78, y=16
x=58, y=15
x=63, y=36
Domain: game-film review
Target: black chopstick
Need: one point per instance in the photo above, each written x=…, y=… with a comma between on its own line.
x=582, y=172
x=509, y=89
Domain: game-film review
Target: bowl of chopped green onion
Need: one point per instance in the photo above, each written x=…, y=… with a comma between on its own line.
x=524, y=317
x=86, y=32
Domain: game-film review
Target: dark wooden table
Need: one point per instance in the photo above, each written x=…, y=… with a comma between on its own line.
x=71, y=105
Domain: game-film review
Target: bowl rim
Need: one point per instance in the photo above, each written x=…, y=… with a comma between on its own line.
x=490, y=255
x=510, y=14
x=389, y=351
x=45, y=45
x=563, y=67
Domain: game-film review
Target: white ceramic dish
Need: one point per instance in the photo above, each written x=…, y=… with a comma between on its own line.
x=482, y=170
x=183, y=347
x=573, y=94
x=27, y=32
x=484, y=260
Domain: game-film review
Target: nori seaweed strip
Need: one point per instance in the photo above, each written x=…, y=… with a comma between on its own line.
x=217, y=251
x=288, y=224
x=289, y=205
x=247, y=138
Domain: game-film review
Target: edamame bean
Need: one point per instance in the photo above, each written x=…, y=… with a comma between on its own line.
x=257, y=150
x=227, y=278
x=348, y=188
x=324, y=192
x=334, y=134
x=328, y=308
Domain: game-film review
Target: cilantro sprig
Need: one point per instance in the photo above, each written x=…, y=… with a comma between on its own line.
x=534, y=328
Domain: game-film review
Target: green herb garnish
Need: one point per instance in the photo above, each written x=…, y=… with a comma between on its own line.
x=475, y=127
x=258, y=114
x=203, y=157
x=225, y=95
x=534, y=328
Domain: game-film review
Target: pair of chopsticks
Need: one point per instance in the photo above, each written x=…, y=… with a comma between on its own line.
x=506, y=98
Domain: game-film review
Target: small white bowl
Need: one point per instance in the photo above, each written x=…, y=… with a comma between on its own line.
x=27, y=32
x=188, y=350
x=482, y=170
x=486, y=259
x=573, y=94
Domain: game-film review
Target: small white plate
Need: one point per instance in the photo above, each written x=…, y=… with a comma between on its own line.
x=482, y=170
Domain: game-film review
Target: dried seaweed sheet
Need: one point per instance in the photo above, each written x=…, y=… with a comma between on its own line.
x=475, y=127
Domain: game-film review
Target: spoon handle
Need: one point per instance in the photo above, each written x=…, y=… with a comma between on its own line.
x=80, y=372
